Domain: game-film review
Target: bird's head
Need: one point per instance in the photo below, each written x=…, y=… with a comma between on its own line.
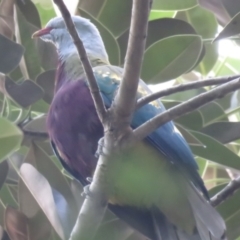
x=57, y=33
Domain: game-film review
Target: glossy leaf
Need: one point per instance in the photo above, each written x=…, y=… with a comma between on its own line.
x=205, y=24
x=42, y=192
x=224, y=132
x=46, y=81
x=224, y=156
x=232, y=7
x=10, y=54
x=45, y=12
x=10, y=138
x=192, y=120
x=181, y=53
x=211, y=112
x=3, y=172
x=157, y=30
x=24, y=94
x=93, y=7
x=188, y=136
x=230, y=206
x=171, y=5
x=24, y=33
x=7, y=199
x=47, y=54
x=30, y=12
x=232, y=28
x=156, y=14
x=114, y=9
x=37, y=126
x=233, y=230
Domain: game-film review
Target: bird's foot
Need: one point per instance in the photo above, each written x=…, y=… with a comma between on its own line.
x=100, y=148
x=89, y=179
x=86, y=191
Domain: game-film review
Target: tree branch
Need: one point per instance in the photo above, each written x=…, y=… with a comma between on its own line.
x=184, y=87
x=226, y=192
x=126, y=97
x=94, y=89
x=95, y=204
x=145, y=129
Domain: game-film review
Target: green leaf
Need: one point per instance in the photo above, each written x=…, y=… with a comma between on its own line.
x=3, y=172
x=93, y=7
x=180, y=53
x=6, y=197
x=192, y=120
x=10, y=54
x=108, y=39
x=205, y=24
x=156, y=31
x=213, y=191
x=10, y=138
x=232, y=28
x=114, y=10
x=230, y=206
x=233, y=230
x=46, y=13
x=224, y=132
x=188, y=136
x=24, y=94
x=30, y=12
x=47, y=54
x=224, y=156
x=42, y=192
x=171, y=5
x=37, y=126
x=209, y=115
x=155, y=14
x=31, y=57
x=46, y=80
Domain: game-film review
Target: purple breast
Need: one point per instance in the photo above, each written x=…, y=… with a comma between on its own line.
x=74, y=126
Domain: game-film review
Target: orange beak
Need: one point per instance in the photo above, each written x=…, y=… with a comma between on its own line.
x=41, y=32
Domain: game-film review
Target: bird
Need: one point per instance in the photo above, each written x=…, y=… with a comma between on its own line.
x=154, y=186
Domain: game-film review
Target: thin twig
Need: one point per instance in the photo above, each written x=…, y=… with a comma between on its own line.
x=194, y=103
x=226, y=192
x=125, y=101
x=94, y=89
x=184, y=87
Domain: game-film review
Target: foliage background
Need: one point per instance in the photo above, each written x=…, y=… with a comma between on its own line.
x=38, y=199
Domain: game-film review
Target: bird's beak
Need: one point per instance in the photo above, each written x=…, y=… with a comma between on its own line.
x=41, y=32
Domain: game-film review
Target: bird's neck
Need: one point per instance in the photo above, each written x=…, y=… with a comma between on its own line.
x=70, y=68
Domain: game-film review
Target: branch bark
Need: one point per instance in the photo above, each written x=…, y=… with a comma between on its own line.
x=226, y=192
x=145, y=129
x=125, y=100
x=95, y=203
x=94, y=89
x=184, y=87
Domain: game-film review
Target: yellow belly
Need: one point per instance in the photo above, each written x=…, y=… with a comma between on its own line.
x=143, y=178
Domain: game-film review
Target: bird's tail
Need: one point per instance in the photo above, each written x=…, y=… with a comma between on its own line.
x=209, y=223
x=164, y=230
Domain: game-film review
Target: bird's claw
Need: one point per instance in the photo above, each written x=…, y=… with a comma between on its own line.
x=89, y=179
x=100, y=148
x=86, y=191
